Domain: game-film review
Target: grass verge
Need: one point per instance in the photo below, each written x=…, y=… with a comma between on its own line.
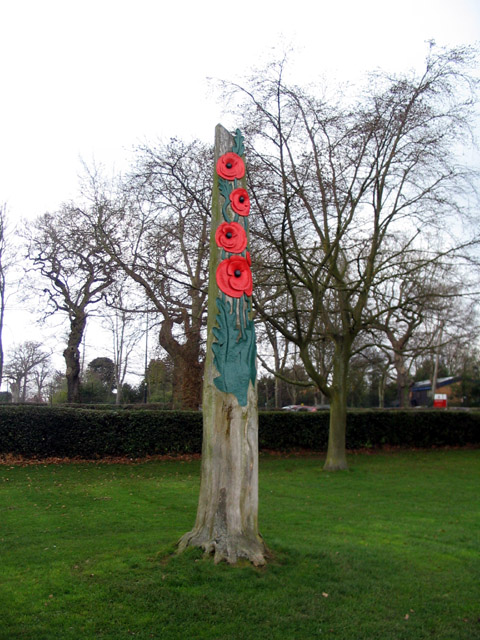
x=387, y=551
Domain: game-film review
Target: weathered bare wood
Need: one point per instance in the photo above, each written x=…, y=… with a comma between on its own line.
x=227, y=515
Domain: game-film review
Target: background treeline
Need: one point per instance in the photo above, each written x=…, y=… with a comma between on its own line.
x=363, y=236
x=97, y=385
x=90, y=433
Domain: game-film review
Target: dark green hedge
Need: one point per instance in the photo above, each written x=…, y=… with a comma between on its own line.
x=86, y=433
x=416, y=428
x=374, y=428
x=53, y=431
x=151, y=406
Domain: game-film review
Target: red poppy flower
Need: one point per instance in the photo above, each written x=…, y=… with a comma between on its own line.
x=231, y=236
x=230, y=166
x=234, y=276
x=240, y=202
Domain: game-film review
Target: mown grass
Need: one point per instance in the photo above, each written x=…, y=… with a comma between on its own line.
x=389, y=550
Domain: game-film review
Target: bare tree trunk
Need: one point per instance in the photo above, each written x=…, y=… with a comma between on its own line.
x=2, y=315
x=267, y=399
x=24, y=389
x=227, y=515
x=187, y=370
x=72, y=357
x=226, y=523
x=278, y=393
x=118, y=335
x=3, y=282
x=15, y=390
x=279, y=364
x=336, y=454
x=436, y=363
x=402, y=379
x=381, y=390
x=191, y=383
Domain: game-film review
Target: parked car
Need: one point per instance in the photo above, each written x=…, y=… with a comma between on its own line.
x=299, y=407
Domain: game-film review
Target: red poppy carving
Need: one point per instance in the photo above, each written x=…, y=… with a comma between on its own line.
x=234, y=276
x=230, y=166
x=240, y=202
x=231, y=236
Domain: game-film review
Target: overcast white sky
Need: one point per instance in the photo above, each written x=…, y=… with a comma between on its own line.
x=91, y=79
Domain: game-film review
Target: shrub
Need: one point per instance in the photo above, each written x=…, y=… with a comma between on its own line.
x=50, y=431
x=42, y=431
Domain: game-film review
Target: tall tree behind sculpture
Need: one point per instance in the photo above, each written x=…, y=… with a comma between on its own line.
x=226, y=523
x=334, y=181
x=156, y=232
x=63, y=250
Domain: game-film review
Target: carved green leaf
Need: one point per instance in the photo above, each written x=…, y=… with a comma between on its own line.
x=238, y=147
x=225, y=188
x=234, y=354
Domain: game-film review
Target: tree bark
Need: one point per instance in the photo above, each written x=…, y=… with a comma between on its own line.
x=336, y=453
x=187, y=370
x=3, y=281
x=2, y=315
x=15, y=387
x=191, y=383
x=381, y=390
x=72, y=357
x=436, y=364
x=227, y=516
x=402, y=377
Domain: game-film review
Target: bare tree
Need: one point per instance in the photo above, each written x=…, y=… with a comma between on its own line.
x=402, y=307
x=42, y=373
x=273, y=352
x=280, y=351
x=452, y=329
x=23, y=362
x=63, y=250
x=125, y=329
x=6, y=261
x=380, y=362
x=158, y=234
x=334, y=181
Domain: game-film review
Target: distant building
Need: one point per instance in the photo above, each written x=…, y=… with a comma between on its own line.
x=420, y=392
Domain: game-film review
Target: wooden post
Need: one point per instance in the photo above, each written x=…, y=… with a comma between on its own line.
x=226, y=524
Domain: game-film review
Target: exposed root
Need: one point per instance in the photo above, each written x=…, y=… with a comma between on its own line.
x=230, y=548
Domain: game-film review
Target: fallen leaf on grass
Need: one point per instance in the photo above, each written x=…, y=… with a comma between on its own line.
x=325, y=595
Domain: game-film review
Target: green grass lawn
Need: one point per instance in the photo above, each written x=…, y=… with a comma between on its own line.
x=389, y=550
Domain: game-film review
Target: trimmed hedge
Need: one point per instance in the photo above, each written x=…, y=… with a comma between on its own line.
x=40, y=431
x=87, y=433
x=371, y=429
x=416, y=428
